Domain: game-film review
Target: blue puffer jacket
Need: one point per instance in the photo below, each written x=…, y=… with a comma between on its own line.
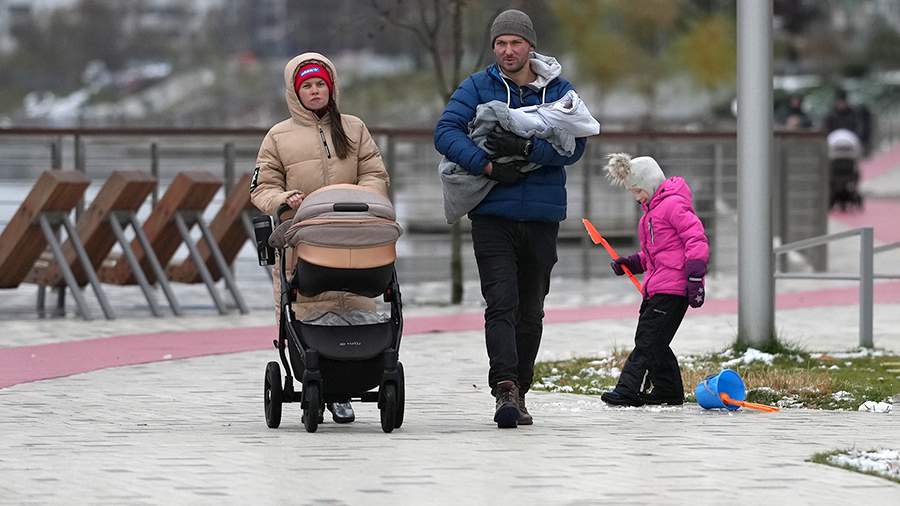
x=541, y=195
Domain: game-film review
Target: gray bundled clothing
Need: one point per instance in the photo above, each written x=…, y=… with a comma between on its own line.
x=559, y=123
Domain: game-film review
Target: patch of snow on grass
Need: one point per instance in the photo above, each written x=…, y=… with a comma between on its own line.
x=749, y=356
x=884, y=462
x=842, y=396
x=859, y=353
x=790, y=401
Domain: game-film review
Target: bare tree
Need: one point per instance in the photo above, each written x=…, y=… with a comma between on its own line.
x=439, y=25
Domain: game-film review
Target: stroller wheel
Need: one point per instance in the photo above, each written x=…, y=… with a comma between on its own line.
x=273, y=395
x=388, y=407
x=401, y=398
x=311, y=411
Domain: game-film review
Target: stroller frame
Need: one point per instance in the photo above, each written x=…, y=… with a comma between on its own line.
x=383, y=368
x=844, y=184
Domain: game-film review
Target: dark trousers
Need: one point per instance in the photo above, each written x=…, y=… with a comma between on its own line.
x=514, y=262
x=652, y=358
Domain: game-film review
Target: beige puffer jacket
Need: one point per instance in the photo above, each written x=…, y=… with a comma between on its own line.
x=297, y=156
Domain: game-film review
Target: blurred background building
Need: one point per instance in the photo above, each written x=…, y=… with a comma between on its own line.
x=658, y=63
x=651, y=70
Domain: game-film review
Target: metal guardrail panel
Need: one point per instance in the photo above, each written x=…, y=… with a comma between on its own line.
x=706, y=159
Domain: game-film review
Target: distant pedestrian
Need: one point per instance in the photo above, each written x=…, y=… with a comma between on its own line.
x=795, y=118
x=857, y=119
x=673, y=256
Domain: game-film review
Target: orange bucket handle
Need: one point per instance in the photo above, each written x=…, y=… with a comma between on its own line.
x=744, y=404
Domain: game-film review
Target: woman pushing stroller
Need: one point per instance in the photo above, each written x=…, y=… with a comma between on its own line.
x=316, y=147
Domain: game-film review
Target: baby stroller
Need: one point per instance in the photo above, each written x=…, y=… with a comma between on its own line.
x=844, y=152
x=344, y=237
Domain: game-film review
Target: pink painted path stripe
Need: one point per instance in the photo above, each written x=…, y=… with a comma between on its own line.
x=885, y=161
x=33, y=363
x=880, y=214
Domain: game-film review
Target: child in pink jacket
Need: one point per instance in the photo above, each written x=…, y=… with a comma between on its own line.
x=673, y=255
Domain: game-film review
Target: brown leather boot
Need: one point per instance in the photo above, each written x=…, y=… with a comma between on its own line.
x=507, y=413
x=524, y=415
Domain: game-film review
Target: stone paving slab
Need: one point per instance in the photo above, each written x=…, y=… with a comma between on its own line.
x=193, y=432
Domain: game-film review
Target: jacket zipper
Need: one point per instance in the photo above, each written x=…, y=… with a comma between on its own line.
x=646, y=293
x=324, y=143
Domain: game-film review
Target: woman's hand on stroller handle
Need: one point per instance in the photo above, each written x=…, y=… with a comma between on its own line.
x=294, y=200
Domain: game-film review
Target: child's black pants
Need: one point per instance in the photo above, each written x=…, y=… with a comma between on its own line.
x=660, y=317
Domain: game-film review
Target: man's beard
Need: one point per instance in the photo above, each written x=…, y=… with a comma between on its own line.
x=519, y=67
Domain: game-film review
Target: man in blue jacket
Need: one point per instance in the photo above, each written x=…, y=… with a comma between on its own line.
x=514, y=229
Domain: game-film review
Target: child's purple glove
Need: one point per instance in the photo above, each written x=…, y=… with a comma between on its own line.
x=695, y=271
x=633, y=263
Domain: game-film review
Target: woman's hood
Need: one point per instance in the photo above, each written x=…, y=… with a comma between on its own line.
x=298, y=112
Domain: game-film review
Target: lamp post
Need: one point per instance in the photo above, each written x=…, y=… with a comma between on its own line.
x=756, y=289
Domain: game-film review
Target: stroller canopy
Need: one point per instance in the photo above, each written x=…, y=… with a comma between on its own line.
x=843, y=143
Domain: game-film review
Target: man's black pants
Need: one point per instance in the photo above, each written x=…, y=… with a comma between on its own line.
x=514, y=262
x=652, y=357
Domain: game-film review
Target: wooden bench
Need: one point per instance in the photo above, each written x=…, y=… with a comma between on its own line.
x=35, y=225
x=167, y=227
x=99, y=228
x=230, y=228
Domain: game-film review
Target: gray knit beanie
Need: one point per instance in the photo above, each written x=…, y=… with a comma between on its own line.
x=513, y=22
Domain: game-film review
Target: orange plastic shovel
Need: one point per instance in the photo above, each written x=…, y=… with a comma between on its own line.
x=744, y=404
x=598, y=239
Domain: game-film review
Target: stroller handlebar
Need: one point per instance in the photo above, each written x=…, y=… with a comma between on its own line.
x=283, y=208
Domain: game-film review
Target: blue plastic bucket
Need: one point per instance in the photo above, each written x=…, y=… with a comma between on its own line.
x=728, y=381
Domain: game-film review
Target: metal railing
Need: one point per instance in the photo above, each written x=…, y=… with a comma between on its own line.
x=706, y=159
x=866, y=275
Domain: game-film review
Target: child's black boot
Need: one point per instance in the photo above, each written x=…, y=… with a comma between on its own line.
x=657, y=398
x=617, y=398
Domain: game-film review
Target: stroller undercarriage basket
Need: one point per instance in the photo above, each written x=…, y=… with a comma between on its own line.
x=346, y=342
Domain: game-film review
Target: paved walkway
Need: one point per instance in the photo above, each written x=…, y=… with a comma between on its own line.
x=148, y=411
x=192, y=431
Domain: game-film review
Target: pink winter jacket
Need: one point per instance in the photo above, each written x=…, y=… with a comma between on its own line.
x=671, y=234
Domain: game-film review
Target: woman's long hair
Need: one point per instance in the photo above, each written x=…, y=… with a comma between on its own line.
x=342, y=143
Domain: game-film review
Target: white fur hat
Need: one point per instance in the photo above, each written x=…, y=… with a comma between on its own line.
x=642, y=172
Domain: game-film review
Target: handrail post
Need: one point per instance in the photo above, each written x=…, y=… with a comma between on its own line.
x=80, y=167
x=229, y=167
x=587, y=163
x=782, y=199
x=56, y=147
x=718, y=196
x=866, y=286
x=154, y=170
